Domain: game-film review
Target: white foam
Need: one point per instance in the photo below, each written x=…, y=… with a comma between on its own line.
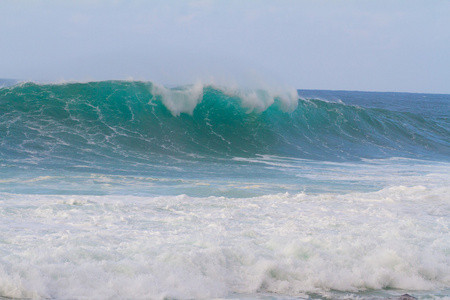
x=258, y=99
x=179, y=100
x=185, y=247
x=184, y=99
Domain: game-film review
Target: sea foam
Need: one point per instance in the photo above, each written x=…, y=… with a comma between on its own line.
x=189, y=247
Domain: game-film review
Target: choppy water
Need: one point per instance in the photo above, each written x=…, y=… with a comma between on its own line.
x=121, y=189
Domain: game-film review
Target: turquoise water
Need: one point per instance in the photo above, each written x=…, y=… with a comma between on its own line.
x=142, y=130
x=141, y=121
x=125, y=189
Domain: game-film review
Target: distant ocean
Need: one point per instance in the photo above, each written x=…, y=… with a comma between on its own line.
x=131, y=190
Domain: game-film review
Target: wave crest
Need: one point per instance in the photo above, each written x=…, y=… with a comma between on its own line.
x=185, y=99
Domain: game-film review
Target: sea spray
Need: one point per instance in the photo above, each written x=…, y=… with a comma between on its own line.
x=178, y=100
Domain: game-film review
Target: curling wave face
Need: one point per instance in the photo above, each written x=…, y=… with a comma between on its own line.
x=142, y=121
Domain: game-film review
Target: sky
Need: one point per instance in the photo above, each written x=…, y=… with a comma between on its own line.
x=382, y=45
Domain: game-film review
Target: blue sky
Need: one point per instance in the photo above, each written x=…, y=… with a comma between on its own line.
x=346, y=45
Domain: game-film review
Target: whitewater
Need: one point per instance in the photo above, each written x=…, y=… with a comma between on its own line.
x=129, y=189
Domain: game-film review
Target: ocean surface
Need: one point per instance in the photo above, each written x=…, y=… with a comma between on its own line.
x=132, y=190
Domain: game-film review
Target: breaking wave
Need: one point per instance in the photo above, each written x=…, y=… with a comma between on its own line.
x=106, y=120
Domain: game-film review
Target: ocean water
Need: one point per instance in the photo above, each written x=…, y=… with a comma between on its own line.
x=131, y=190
